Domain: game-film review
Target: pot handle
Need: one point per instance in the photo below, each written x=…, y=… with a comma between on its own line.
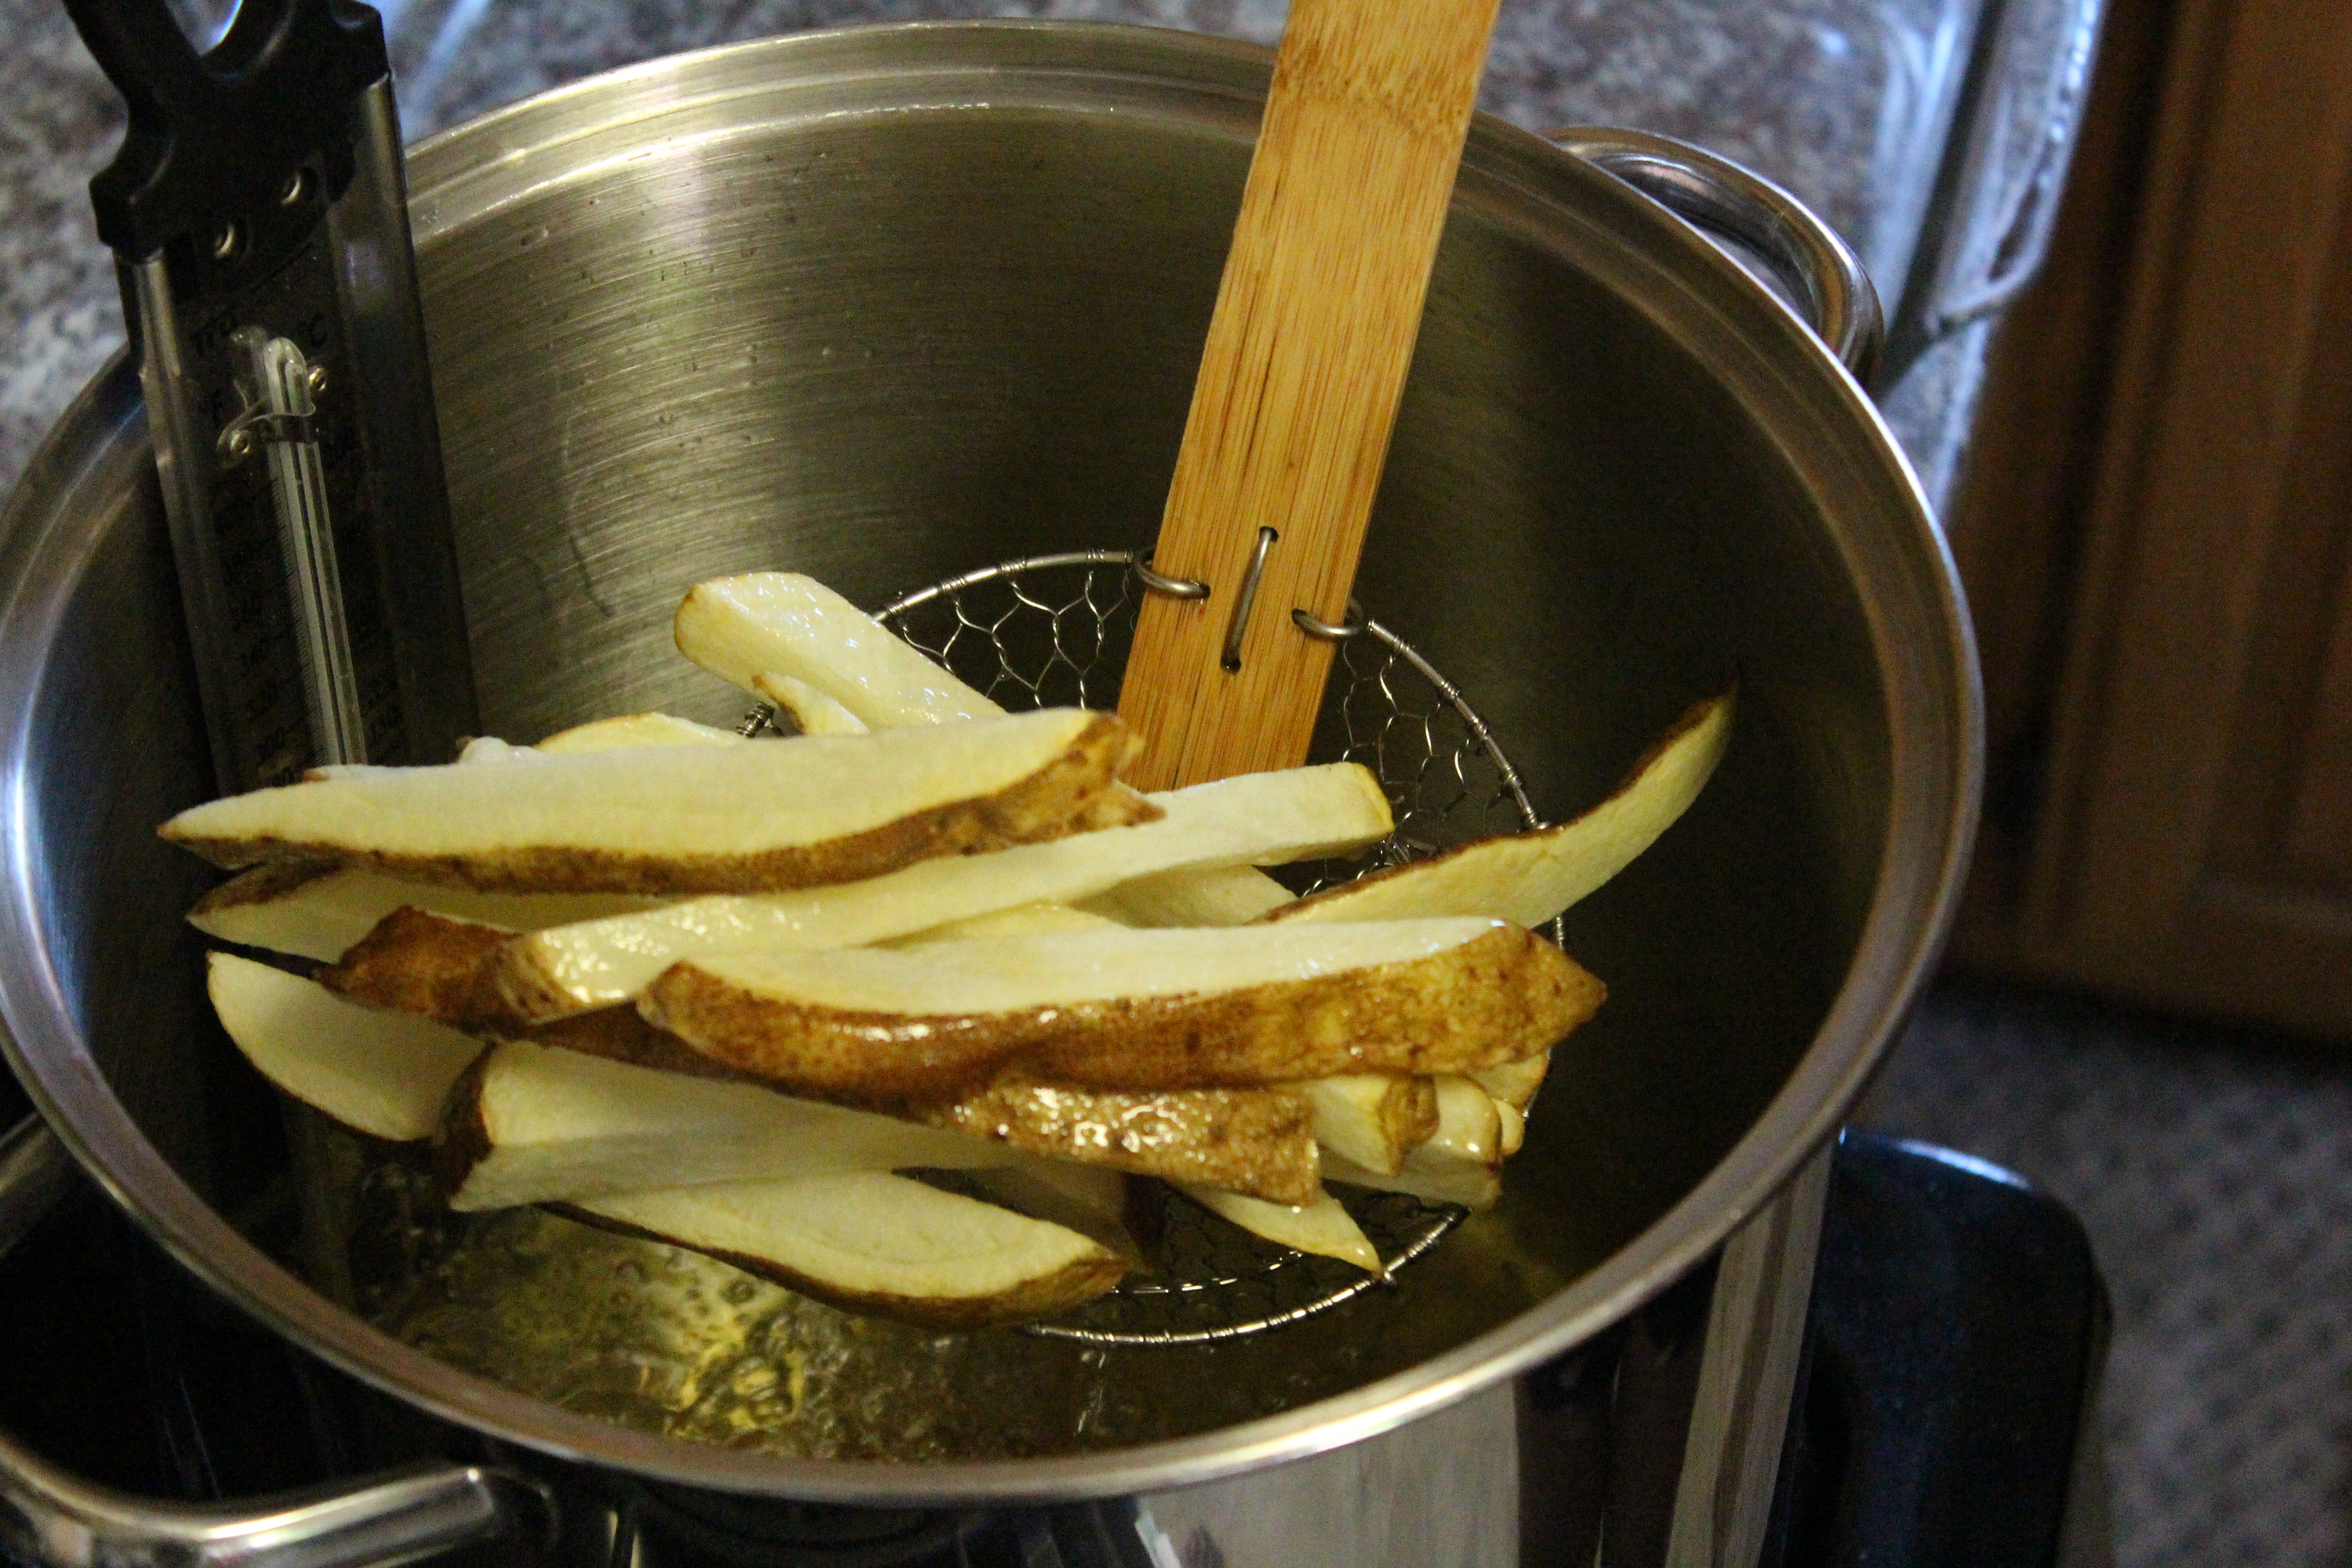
x=1817, y=272
x=57, y=1520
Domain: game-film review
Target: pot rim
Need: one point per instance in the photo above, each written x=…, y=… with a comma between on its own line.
x=1928, y=680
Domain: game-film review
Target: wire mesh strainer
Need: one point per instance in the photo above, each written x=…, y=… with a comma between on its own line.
x=1054, y=631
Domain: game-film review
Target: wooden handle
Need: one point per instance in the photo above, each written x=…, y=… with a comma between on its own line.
x=1299, y=381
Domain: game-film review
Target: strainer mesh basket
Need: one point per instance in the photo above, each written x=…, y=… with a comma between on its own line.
x=1055, y=631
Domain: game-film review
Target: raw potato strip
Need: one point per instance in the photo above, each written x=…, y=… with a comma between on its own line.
x=1260, y=1142
x=317, y=912
x=1514, y=1127
x=1373, y=1120
x=314, y=912
x=489, y=751
x=1461, y=1163
x=1233, y=896
x=1322, y=1226
x=1253, y=1141
x=1300, y=812
x=1529, y=877
x=811, y=710
x=377, y=1073
x=530, y=1125
x=634, y=729
x=684, y=819
x=1088, y=1199
x=1129, y=1009
x=786, y=624
x=615, y=734
x=870, y=1242
x=1515, y=1083
x=1469, y=1131
x=1023, y=920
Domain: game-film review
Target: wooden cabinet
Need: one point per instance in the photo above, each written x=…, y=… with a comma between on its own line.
x=2157, y=531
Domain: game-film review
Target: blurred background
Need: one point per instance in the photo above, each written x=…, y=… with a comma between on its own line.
x=2152, y=979
x=2144, y=461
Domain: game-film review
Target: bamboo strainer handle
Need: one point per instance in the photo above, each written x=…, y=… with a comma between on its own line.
x=1299, y=381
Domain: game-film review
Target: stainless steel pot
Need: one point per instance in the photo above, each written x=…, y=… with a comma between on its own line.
x=884, y=305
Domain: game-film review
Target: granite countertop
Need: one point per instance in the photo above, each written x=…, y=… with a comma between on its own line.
x=1851, y=104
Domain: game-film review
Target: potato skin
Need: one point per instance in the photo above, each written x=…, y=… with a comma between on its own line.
x=463, y=1140
x=856, y=1057
x=418, y=961
x=1408, y=1112
x=1504, y=995
x=1256, y=1141
x=261, y=885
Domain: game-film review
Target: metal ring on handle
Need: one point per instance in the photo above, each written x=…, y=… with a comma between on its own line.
x=59, y=1520
x=1174, y=587
x=1324, y=631
x=1819, y=270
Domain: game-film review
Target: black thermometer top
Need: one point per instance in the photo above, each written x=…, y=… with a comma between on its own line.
x=259, y=217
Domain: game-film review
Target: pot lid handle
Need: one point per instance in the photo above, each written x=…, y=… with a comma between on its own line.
x=1807, y=265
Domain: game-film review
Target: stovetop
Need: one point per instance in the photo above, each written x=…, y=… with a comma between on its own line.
x=1958, y=1328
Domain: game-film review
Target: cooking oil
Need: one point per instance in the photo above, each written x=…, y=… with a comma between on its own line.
x=666, y=1341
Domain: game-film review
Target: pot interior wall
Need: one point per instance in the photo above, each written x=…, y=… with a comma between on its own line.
x=885, y=350
x=887, y=347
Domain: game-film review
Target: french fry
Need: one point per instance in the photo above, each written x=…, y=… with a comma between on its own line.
x=1130, y=1009
x=317, y=912
x=530, y=1124
x=1089, y=1199
x=1514, y=1083
x=1258, y=1141
x=683, y=819
x=784, y=623
x=990, y=1014
x=1022, y=919
x=782, y=627
x=1530, y=877
x=871, y=1242
x=377, y=1073
x=1233, y=896
x=1513, y=1125
x=1322, y=1226
x=634, y=729
x=1372, y=1119
x=1461, y=1163
x=811, y=710
x=1300, y=812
